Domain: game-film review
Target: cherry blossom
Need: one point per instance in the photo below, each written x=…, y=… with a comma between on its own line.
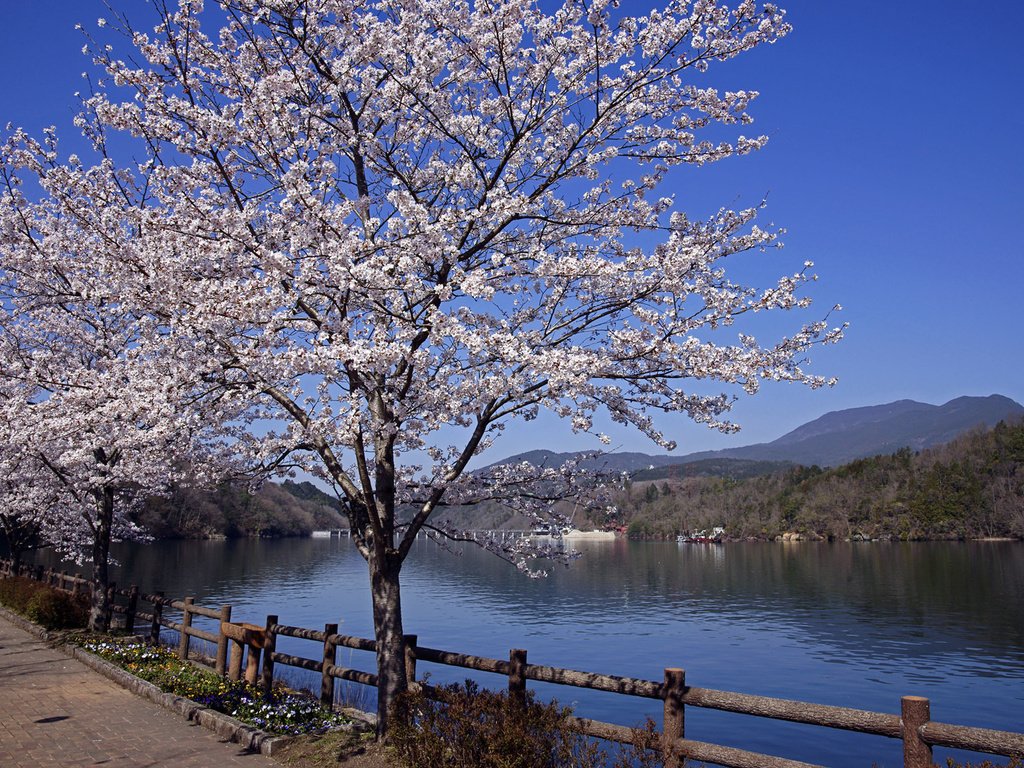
x=93, y=420
x=391, y=230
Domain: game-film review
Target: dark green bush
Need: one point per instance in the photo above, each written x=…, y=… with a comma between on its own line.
x=54, y=609
x=43, y=604
x=16, y=592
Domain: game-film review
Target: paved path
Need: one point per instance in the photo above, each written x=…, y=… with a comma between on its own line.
x=55, y=711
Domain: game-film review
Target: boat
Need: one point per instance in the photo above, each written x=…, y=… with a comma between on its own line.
x=702, y=537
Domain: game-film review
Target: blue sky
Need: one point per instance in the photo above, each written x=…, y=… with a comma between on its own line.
x=895, y=163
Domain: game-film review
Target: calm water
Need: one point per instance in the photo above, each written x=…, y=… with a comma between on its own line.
x=848, y=624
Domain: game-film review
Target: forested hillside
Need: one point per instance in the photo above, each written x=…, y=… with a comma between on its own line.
x=288, y=509
x=970, y=487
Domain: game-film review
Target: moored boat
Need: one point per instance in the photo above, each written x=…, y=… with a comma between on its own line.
x=702, y=537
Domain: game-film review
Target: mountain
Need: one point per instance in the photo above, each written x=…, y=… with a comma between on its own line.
x=835, y=438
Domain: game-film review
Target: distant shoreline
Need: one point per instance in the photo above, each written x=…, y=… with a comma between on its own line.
x=818, y=539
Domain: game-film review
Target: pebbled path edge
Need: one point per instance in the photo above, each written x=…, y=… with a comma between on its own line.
x=221, y=724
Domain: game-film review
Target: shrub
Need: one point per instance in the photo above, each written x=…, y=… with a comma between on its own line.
x=645, y=750
x=16, y=592
x=43, y=604
x=57, y=610
x=465, y=727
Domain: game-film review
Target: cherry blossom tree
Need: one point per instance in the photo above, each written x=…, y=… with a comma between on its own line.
x=394, y=228
x=93, y=420
x=25, y=491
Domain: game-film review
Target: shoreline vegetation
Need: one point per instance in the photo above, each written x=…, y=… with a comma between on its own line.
x=969, y=489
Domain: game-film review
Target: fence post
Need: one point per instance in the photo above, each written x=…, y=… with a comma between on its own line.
x=222, y=641
x=108, y=621
x=235, y=666
x=409, y=642
x=915, y=711
x=269, y=645
x=158, y=614
x=330, y=658
x=674, y=722
x=252, y=658
x=517, y=675
x=133, y=604
x=186, y=625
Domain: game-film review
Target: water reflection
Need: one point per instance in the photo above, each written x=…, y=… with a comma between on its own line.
x=922, y=598
x=851, y=624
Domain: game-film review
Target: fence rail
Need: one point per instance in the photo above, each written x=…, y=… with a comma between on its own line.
x=258, y=644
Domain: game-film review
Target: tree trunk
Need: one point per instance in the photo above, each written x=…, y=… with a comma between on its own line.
x=387, y=626
x=100, y=556
x=20, y=537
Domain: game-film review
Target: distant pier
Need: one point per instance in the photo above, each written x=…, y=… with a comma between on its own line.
x=498, y=534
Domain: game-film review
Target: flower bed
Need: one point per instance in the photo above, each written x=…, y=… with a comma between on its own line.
x=283, y=711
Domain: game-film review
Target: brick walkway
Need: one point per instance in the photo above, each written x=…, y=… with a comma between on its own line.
x=54, y=711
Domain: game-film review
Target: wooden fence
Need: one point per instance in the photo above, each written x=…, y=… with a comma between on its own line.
x=258, y=645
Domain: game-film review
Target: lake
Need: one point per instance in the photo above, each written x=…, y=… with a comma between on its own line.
x=850, y=624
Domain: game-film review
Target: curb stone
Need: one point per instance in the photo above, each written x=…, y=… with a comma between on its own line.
x=218, y=722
